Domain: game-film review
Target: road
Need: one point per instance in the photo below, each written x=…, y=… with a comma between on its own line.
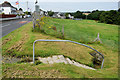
x=9, y=26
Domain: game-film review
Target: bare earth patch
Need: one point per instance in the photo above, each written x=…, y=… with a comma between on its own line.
x=18, y=45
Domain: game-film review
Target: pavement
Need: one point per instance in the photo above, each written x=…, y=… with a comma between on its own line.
x=11, y=25
x=7, y=19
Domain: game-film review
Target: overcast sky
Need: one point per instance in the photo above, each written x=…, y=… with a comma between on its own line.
x=61, y=6
x=62, y=0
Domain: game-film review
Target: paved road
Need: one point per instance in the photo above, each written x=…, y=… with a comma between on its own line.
x=9, y=26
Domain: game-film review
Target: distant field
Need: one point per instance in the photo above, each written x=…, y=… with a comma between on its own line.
x=19, y=43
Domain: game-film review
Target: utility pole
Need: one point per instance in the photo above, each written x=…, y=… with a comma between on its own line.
x=35, y=13
x=27, y=5
x=18, y=4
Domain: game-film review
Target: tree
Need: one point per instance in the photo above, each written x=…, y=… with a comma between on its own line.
x=50, y=13
x=20, y=9
x=119, y=10
x=26, y=12
x=110, y=17
x=66, y=15
x=95, y=15
x=78, y=14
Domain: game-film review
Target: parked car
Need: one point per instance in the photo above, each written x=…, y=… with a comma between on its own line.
x=28, y=16
x=25, y=16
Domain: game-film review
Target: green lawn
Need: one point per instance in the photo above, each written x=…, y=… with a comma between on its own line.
x=19, y=43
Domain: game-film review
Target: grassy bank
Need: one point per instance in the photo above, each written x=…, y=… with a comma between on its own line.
x=84, y=31
x=19, y=43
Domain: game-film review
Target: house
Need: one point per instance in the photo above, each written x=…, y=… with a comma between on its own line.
x=62, y=16
x=58, y=15
x=71, y=17
x=7, y=8
x=55, y=15
x=119, y=4
x=46, y=13
x=41, y=12
x=20, y=11
x=86, y=14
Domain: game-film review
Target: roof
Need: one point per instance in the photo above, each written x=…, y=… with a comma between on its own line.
x=86, y=13
x=7, y=4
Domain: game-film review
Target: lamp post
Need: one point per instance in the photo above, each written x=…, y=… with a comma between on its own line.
x=35, y=13
x=36, y=6
x=27, y=6
x=36, y=2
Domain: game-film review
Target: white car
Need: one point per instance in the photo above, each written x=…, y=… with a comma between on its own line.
x=24, y=16
x=28, y=16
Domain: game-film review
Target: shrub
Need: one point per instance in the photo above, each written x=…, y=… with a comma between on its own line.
x=37, y=62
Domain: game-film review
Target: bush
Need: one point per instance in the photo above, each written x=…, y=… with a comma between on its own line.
x=43, y=27
x=37, y=62
x=2, y=13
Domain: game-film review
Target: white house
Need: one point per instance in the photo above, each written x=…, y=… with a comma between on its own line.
x=7, y=8
x=56, y=15
x=41, y=12
x=71, y=17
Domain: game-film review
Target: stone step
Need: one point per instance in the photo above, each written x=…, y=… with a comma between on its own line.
x=62, y=59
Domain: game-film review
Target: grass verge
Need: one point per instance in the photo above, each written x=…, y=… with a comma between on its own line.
x=19, y=43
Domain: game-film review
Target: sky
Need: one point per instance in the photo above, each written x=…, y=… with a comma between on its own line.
x=67, y=5
x=63, y=0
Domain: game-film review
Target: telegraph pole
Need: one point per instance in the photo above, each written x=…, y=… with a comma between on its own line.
x=18, y=4
x=27, y=5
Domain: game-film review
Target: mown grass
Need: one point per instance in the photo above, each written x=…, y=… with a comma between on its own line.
x=44, y=49
x=86, y=31
x=52, y=71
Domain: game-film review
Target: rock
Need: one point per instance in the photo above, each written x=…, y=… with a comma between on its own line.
x=44, y=60
x=31, y=62
x=50, y=61
x=62, y=59
x=69, y=61
x=56, y=59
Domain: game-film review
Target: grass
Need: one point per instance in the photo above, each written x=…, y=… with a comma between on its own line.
x=50, y=71
x=19, y=43
x=86, y=31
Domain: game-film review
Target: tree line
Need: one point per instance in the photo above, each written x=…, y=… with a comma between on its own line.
x=109, y=17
